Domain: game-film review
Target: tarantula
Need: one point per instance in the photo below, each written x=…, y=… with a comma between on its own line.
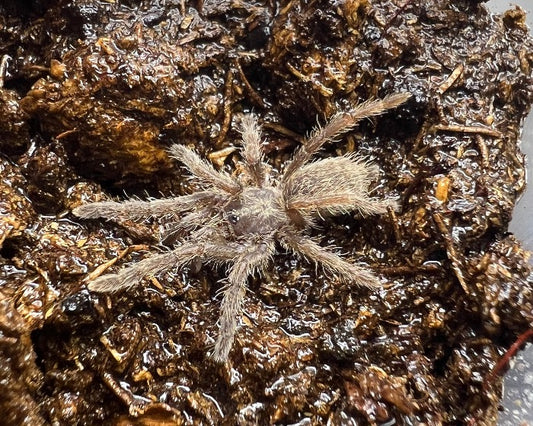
x=238, y=219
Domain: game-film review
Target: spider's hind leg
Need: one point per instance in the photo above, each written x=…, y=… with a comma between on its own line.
x=255, y=257
x=330, y=261
x=156, y=264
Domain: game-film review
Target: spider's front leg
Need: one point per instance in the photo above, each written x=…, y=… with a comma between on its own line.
x=254, y=257
x=252, y=152
x=139, y=210
x=330, y=261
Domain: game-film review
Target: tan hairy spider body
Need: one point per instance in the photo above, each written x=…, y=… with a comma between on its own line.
x=238, y=219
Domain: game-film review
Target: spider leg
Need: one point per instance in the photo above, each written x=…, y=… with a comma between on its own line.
x=343, y=202
x=329, y=260
x=204, y=171
x=339, y=124
x=180, y=256
x=187, y=224
x=138, y=210
x=252, y=152
x=255, y=257
x=334, y=185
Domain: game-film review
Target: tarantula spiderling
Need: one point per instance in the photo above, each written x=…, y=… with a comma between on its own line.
x=238, y=219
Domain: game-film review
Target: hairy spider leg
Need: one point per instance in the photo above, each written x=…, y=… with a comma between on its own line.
x=176, y=258
x=334, y=185
x=330, y=261
x=186, y=224
x=204, y=171
x=252, y=152
x=339, y=124
x=138, y=210
x=343, y=202
x=255, y=257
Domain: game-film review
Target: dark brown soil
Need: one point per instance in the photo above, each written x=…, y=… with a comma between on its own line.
x=92, y=92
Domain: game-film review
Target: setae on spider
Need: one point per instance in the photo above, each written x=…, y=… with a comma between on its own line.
x=239, y=219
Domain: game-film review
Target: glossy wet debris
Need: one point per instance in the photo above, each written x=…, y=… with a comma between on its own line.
x=95, y=91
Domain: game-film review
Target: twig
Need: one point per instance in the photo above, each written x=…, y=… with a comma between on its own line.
x=326, y=91
x=253, y=93
x=395, y=226
x=408, y=270
x=483, y=150
x=397, y=13
x=467, y=129
x=3, y=69
x=136, y=405
x=284, y=131
x=66, y=133
x=452, y=78
x=421, y=134
x=123, y=358
x=218, y=157
x=103, y=267
x=228, y=88
x=450, y=250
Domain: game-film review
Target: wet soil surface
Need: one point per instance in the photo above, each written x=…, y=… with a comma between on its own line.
x=92, y=93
